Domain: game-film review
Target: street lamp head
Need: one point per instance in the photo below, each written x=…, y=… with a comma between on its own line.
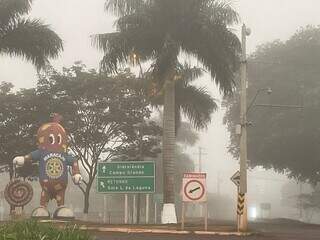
x=248, y=31
x=269, y=91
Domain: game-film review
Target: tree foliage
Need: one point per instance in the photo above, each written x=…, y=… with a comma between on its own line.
x=158, y=30
x=28, y=38
x=283, y=139
x=17, y=122
x=103, y=116
x=106, y=117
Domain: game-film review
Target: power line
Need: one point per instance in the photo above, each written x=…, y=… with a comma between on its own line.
x=283, y=63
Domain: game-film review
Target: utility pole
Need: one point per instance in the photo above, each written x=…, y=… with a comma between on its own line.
x=200, y=154
x=218, y=183
x=300, y=202
x=243, y=121
x=200, y=163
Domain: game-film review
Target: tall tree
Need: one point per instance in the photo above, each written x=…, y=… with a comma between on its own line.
x=28, y=38
x=158, y=31
x=191, y=101
x=102, y=115
x=283, y=139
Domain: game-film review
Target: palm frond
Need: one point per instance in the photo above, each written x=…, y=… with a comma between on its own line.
x=134, y=21
x=32, y=40
x=136, y=36
x=187, y=73
x=196, y=104
x=10, y=10
x=116, y=47
x=124, y=7
x=218, y=50
x=221, y=11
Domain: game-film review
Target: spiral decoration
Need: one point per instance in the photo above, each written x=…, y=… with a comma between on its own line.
x=18, y=193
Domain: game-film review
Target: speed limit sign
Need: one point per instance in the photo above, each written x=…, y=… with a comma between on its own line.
x=194, y=187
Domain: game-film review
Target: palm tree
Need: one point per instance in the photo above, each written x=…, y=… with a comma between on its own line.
x=158, y=31
x=27, y=38
x=191, y=101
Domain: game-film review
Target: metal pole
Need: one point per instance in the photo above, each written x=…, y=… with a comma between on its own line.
x=238, y=216
x=182, y=216
x=134, y=209
x=243, y=120
x=155, y=213
x=206, y=216
x=126, y=208
x=147, y=209
x=1, y=209
x=104, y=209
x=200, y=163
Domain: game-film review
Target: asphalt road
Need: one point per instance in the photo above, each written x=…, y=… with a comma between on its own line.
x=276, y=230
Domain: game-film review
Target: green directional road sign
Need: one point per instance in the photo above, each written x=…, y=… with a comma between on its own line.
x=126, y=177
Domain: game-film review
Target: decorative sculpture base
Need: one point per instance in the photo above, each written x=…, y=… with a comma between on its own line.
x=40, y=213
x=63, y=213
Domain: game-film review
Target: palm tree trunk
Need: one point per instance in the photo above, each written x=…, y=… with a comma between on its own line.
x=168, y=153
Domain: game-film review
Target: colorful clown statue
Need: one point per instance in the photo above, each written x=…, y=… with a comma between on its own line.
x=53, y=162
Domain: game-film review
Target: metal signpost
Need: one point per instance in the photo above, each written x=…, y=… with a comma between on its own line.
x=1, y=205
x=194, y=190
x=158, y=200
x=127, y=177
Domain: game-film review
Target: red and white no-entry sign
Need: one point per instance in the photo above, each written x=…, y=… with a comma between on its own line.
x=194, y=187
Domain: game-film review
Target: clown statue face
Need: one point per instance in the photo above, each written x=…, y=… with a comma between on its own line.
x=54, y=162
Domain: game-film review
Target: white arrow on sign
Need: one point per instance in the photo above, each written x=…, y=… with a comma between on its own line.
x=236, y=178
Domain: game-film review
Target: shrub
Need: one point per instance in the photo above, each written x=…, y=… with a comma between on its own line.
x=32, y=230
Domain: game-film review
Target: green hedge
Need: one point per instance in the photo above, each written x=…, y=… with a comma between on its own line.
x=32, y=230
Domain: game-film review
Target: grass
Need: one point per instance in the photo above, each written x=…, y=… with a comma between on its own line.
x=32, y=230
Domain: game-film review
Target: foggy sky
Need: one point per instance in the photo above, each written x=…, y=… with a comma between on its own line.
x=76, y=20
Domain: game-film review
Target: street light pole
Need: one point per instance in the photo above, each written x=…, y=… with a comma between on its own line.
x=243, y=120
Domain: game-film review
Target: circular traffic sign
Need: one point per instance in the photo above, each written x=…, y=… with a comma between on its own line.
x=194, y=190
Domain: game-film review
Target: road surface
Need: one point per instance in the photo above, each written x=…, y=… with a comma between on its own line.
x=272, y=230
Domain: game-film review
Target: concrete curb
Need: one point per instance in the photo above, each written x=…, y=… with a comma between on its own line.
x=161, y=231
x=133, y=230
x=240, y=234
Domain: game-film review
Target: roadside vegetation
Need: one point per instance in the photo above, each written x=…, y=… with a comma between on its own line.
x=32, y=230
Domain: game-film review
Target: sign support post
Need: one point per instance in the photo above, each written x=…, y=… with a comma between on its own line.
x=134, y=207
x=104, y=209
x=126, y=208
x=155, y=213
x=147, y=209
x=183, y=216
x=206, y=216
